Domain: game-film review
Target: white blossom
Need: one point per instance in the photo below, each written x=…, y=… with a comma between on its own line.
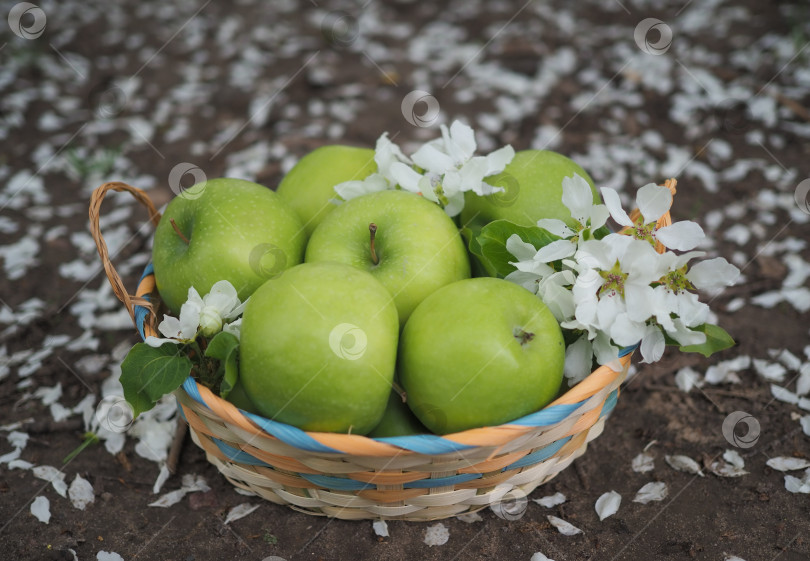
x=441, y=170
x=207, y=315
x=653, y=201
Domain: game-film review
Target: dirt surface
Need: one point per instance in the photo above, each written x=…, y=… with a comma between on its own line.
x=130, y=91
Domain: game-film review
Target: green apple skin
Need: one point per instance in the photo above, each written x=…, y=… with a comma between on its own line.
x=418, y=246
x=309, y=187
x=318, y=348
x=239, y=397
x=398, y=420
x=466, y=361
x=533, y=183
x=237, y=230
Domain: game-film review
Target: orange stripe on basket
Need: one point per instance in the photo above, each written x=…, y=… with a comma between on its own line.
x=495, y=464
x=284, y=479
x=391, y=495
x=585, y=422
x=595, y=382
x=281, y=462
x=146, y=286
x=194, y=421
x=489, y=436
x=388, y=477
x=357, y=445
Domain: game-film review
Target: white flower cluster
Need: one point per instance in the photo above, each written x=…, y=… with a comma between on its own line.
x=441, y=170
x=217, y=311
x=618, y=291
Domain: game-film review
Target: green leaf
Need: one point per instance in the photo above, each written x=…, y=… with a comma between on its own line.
x=149, y=373
x=492, y=241
x=479, y=266
x=717, y=339
x=225, y=348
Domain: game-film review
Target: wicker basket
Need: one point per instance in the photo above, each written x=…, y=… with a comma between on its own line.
x=423, y=477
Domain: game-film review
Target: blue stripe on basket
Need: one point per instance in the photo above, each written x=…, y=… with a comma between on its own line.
x=610, y=403
x=442, y=481
x=425, y=443
x=139, y=311
x=548, y=416
x=539, y=455
x=236, y=455
x=339, y=483
x=627, y=350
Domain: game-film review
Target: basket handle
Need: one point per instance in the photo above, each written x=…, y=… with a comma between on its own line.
x=95, y=230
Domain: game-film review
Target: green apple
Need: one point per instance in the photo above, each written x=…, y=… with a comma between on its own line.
x=318, y=348
x=224, y=229
x=398, y=420
x=416, y=247
x=480, y=352
x=309, y=187
x=532, y=184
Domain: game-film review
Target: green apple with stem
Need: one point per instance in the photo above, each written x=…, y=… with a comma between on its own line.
x=224, y=229
x=479, y=352
x=318, y=348
x=532, y=189
x=398, y=420
x=309, y=187
x=408, y=243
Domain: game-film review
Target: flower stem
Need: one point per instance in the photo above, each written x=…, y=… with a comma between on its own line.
x=372, y=230
x=177, y=229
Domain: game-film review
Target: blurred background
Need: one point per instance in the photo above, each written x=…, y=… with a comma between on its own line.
x=160, y=95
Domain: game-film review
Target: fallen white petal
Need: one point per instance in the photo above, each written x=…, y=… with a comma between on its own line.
x=732, y=558
x=170, y=498
x=783, y=394
x=108, y=556
x=771, y=371
x=41, y=508
x=683, y=463
x=803, y=383
x=565, y=528
x=20, y=464
x=540, y=557
x=723, y=469
x=688, y=378
x=470, y=517
x=380, y=528
x=783, y=463
x=652, y=491
x=805, y=423
x=733, y=457
x=643, y=462
x=17, y=439
x=608, y=504
x=163, y=475
x=796, y=485
x=193, y=482
x=81, y=492
x=551, y=500
x=437, y=534
x=240, y=511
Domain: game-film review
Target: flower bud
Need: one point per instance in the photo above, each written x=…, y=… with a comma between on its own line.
x=210, y=321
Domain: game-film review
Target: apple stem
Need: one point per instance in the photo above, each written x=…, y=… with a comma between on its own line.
x=372, y=230
x=524, y=336
x=177, y=229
